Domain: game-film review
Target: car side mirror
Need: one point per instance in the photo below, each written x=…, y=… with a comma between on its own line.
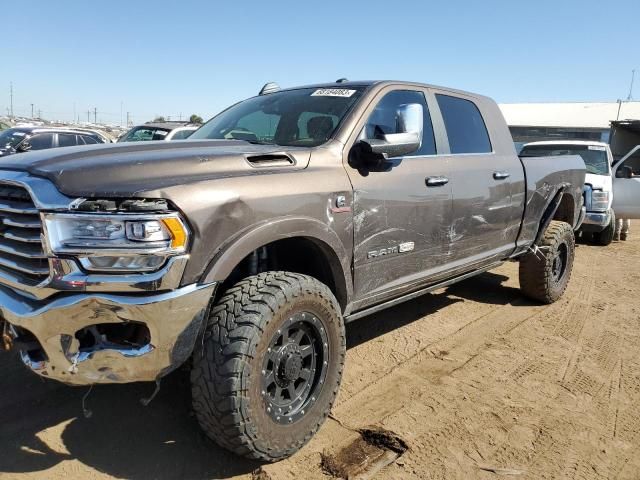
x=406, y=140
x=25, y=146
x=624, y=172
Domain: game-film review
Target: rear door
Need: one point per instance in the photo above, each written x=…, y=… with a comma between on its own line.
x=486, y=213
x=626, y=191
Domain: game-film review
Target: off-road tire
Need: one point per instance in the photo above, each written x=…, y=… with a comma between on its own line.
x=539, y=277
x=605, y=237
x=227, y=378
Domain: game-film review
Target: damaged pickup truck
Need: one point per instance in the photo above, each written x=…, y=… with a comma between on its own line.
x=243, y=251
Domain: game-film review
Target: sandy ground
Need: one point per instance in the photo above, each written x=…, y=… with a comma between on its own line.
x=478, y=381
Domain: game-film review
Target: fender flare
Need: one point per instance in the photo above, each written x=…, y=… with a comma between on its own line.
x=230, y=254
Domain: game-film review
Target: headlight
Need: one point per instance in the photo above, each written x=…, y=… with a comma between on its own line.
x=599, y=200
x=115, y=242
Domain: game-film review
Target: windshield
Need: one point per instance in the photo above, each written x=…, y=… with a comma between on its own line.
x=594, y=156
x=145, y=134
x=304, y=117
x=11, y=138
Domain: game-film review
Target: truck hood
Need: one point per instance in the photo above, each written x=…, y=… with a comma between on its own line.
x=125, y=169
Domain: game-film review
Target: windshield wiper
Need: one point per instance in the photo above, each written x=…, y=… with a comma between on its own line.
x=258, y=142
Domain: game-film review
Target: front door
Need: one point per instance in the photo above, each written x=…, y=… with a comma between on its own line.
x=626, y=186
x=400, y=223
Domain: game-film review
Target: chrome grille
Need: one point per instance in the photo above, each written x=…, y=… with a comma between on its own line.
x=21, y=250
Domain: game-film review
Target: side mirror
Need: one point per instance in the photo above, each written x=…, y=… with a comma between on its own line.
x=25, y=146
x=624, y=172
x=407, y=139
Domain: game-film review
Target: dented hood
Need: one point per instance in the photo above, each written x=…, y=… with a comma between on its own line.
x=128, y=168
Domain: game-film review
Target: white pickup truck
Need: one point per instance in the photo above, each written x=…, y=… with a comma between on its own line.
x=599, y=219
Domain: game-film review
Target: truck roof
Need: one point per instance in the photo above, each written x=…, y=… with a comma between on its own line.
x=566, y=142
x=370, y=83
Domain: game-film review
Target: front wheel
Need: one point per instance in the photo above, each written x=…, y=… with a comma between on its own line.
x=544, y=275
x=269, y=368
x=605, y=237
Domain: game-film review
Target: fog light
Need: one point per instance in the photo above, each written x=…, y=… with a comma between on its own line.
x=134, y=263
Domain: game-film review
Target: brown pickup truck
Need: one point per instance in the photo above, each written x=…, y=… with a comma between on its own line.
x=243, y=251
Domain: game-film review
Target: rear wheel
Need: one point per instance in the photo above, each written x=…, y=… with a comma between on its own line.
x=270, y=366
x=605, y=237
x=544, y=275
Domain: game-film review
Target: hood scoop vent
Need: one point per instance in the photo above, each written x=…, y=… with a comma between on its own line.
x=271, y=160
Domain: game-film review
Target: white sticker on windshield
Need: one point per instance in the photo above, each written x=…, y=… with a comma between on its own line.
x=597, y=147
x=18, y=134
x=333, y=92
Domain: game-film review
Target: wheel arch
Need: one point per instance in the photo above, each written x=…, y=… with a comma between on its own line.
x=327, y=257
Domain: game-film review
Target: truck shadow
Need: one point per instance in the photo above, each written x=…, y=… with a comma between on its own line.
x=42, y=422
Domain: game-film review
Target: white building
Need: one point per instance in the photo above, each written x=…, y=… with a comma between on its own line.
x=530, y=122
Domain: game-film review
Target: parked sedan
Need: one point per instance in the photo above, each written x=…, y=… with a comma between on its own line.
x=159, y=131
x=25, y=139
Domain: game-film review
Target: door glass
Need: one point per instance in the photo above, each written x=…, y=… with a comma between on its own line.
x=89, y=140
x=41, y=141
x=383, y=120
x=66, y=140
x=465, y=127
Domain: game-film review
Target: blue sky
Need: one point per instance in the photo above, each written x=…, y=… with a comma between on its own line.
x=183, y=57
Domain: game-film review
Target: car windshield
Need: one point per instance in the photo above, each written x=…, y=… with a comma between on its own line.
x=594, y=156
x=303, y=117
x=11, y=138
x=145, y=134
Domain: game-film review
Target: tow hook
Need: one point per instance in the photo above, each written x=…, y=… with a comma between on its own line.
x=7, y=339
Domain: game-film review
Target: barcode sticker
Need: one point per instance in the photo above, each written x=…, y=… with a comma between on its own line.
x=600, y=148
x=333, y=92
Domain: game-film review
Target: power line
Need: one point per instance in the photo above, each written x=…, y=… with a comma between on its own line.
x=630, y=96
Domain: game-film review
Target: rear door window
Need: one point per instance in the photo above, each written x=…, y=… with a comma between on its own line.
x=67, y=140
x=465, y=127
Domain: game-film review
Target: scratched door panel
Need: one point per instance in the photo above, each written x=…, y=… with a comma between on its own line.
x=393, y=210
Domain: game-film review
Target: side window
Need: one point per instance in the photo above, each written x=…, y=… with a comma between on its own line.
x=383, y=120
x=182, y=134
x=66, y=140
x=466, y=129
x=88, y=140
x=41, y=141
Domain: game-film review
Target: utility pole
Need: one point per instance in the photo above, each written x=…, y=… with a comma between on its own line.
x=11, y=97
x=95, y=114
x=630, y=96
x=128, y=121
x=39, y=114
x=88, y=116
x=32, y=110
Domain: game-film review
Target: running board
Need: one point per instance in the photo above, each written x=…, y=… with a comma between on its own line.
x=418, y=293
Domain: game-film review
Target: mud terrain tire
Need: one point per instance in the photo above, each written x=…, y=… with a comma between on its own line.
x=544, y=276
x=263, y=337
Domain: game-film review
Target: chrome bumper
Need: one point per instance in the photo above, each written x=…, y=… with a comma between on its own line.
x=173, y=320
x=597, y=219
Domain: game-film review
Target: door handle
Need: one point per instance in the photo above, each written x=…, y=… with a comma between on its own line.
x=436, y=181
x=501, y=175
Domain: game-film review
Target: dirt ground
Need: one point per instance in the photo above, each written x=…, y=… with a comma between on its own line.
x=475, y=380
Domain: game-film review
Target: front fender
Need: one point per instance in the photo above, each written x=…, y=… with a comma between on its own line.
x=229, y=255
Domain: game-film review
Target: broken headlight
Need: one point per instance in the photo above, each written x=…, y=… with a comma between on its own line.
x=116, y=242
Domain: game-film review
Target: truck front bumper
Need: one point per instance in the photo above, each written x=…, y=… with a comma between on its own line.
x=89, y=338
x=596, y=221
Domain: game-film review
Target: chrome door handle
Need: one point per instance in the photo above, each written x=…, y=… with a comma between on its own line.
x=436, y=181
x=501, y=175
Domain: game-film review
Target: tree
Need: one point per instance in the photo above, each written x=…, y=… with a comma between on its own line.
x=195, y=119
x=159, y=119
